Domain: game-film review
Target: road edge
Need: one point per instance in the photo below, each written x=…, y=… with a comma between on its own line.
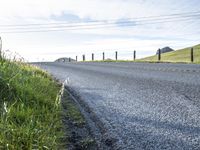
x=94, y=124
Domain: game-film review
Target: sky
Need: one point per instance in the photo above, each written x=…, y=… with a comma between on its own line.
x=145, y=37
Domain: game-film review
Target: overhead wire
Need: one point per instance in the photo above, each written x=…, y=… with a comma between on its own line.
x=97, y=24
x=112, y=20
x=108, y=23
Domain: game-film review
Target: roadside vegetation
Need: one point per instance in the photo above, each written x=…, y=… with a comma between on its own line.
x=178, y=56
x=182, y=55
x=30, y=110
x=77, y=132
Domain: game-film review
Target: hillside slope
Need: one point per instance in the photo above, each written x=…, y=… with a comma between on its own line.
x=182, y=55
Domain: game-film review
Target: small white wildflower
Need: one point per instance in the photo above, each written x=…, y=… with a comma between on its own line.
x=5, y=107
x=67, y=81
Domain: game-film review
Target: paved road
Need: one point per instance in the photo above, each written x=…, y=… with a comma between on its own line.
x=142, y=106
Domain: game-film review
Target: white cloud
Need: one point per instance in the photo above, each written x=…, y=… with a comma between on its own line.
x=95, y=9
x=144, y=38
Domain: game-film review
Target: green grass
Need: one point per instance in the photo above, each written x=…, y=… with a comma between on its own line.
x=72, y=112
x=77, y=132
x=178, y=56
x=30, y=111
x=182, y=55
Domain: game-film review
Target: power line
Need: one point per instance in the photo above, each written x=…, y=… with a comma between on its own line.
x=111, y=20
x=50, y=29
x=149, y=21
x=164, y=19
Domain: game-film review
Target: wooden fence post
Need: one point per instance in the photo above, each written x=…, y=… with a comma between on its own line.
x=159, y=54
x=84, y=57
x=192, y=55
x=134, y=55
x=92, y=56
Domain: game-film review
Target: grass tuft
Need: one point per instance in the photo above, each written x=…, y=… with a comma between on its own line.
x=72, y=112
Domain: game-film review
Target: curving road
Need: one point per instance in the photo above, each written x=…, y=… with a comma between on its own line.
x=141, y=105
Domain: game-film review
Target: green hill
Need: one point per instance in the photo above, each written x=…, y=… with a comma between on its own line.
x=182, y=55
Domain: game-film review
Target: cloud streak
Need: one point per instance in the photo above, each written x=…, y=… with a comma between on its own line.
x=145, y=37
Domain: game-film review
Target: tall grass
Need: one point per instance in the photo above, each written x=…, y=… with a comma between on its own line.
x=30, y=112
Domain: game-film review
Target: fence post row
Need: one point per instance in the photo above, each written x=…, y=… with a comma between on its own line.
x=92, y=56
x=116, y=55
x=159, y=54
x=192, y=54
x=134, y=55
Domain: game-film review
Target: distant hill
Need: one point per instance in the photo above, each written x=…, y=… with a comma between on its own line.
x=65, y=59
x=165, y=50
x=182, y=55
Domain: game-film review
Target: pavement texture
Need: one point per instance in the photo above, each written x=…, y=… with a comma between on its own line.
x=141, y=105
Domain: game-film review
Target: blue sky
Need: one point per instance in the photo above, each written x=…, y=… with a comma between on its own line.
x=145, y=38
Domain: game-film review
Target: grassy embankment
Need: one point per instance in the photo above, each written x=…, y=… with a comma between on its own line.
x=30, y=111
x=178, y=56
x=182, y=55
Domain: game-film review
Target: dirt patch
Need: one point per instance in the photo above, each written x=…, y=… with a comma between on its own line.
x=77, y=132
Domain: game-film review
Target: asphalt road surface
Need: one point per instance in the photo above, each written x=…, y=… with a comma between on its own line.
x=141, y=105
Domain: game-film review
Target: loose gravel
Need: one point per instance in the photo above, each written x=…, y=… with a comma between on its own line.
x=142, y=106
